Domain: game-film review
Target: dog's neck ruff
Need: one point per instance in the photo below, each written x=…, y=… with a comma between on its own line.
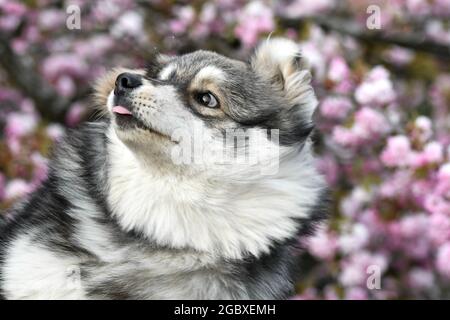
x=231, y=218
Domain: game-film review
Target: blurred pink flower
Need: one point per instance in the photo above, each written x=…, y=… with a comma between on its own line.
x=328, y=167
x=438, y=31
x=95, y=47
x=323, y=244
x=345, y=136
x=65, y=86
x=418, y=7
x=443, y=259
x=413, y=226
x=423, y=129
x=64, y=63
x=210, y=21
x=399, y=55
x=369, y=124
x=441, y=7
x=432, y=153
x=55, y=131
x=355, y=239
x=443, y=180
x=76, y=112
x=51, y=18
x=354, y=268
x=436, y=204
x=439, y=228
x=185, y=16
x=16, y=188
x=301, y=8
x=421, y=279
x=10, y=7
x=397, y=152
x=376, y=89
x=129, y=24
x=9, y=23
x=104, y=10
x=356, y=293
x=20, y=124
x=256, y=18
x=396, y=186
x=335, y=107
x=338, y=70
x=352, y=204
x=308, y=294
x=40, y=168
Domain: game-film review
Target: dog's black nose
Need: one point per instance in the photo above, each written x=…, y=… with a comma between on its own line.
x=126, y=82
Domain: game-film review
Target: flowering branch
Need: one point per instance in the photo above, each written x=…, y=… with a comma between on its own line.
x=417, y=42
x=22, y=74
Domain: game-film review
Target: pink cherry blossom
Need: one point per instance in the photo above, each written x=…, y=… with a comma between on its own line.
x=338, y=70
x=442, y=260
x=56, y=65
x=439, y=228
x=420, y=279
x=300, y=8
x=397, y=151
x=16, y=188
x=75, y=114
x=377, y=89
x=356, y=239
x=369, y=124
x=20, y=124
x=335, y=107
x=423, y=129
x=356, y=293
x=255, y=19
x=323, y=245
x=355, y=268
x=414, y=226
x=55, y=131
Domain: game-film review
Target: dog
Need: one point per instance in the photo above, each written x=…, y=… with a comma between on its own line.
x=127, y=212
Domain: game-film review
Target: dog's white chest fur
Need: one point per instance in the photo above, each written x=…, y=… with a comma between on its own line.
x=229, y=217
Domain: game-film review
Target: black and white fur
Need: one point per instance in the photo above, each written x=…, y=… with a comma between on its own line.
x=117, y=219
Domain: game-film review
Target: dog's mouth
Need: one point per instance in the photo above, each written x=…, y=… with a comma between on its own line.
x=120, y=110
x=126, y=120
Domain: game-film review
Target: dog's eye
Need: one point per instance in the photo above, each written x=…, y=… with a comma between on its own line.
x=207, y=99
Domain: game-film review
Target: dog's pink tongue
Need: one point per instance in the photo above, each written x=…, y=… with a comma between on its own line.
x=120, y=110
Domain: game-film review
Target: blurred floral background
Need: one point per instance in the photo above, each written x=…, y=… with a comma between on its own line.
x=383, y=114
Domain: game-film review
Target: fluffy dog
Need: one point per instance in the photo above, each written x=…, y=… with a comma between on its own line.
x=129, y=210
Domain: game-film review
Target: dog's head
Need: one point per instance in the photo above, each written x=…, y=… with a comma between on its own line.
x=153, y=109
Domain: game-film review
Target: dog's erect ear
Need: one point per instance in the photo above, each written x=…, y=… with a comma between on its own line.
x=278, y=60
